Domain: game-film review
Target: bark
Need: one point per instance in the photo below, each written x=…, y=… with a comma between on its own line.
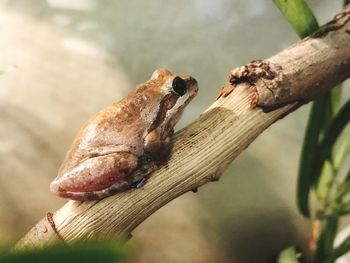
x=256, y=95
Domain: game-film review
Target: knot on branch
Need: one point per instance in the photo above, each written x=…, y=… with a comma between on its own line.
x=260, y=75
x=251, y=72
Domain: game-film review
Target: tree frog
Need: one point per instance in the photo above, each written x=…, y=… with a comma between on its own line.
x=122, y=144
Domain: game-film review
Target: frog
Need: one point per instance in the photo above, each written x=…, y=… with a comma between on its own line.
x=120, y=146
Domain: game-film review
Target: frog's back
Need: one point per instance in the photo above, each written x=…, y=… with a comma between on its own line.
x=117, y=128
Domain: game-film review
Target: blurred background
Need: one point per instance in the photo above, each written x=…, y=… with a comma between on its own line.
x=61, y=61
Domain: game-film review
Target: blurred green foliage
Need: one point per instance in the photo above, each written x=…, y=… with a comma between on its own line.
x=325, y=148
x=289, y=255
x=82, y=251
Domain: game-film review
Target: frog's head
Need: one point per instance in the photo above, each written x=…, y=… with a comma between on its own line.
x=176, y=91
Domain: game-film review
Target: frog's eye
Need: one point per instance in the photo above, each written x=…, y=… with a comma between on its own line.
x=179, y=86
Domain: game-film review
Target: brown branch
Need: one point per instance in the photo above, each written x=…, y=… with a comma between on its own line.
x=204, y=149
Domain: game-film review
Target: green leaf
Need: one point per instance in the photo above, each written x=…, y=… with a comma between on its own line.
x=325, y=182
x=344, y=189
x=288, y=255
x=308, y=159
x=344, y=209
x=326, y=239
x=299, y=15
x=343, y=248
x=331, y=135
x=333, y=104
x=335, y=99
x=314, y=155
x=301, y=18
x=87, y=252
x=331, y=166
x=343, y=150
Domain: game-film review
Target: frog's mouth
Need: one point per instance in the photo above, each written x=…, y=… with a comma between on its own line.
x=173, y=117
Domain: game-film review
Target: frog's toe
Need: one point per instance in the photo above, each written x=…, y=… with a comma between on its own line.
x=139, y=183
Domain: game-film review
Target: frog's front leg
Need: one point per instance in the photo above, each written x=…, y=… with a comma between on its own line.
x=96, y=177
x=156, y=147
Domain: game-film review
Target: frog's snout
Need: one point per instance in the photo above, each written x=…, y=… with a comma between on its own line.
x=192, y=81
x=192, y=84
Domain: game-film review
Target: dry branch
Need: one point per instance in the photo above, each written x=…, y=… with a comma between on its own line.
x=203, y=150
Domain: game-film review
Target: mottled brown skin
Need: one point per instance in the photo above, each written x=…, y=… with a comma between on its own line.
x=124, y=142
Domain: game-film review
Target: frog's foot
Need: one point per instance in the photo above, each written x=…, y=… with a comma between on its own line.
x=140, y=176
x=139, y=183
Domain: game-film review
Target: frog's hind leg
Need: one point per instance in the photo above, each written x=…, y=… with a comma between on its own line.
x=137, y=180
x=96, y=195
x=97, y=177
